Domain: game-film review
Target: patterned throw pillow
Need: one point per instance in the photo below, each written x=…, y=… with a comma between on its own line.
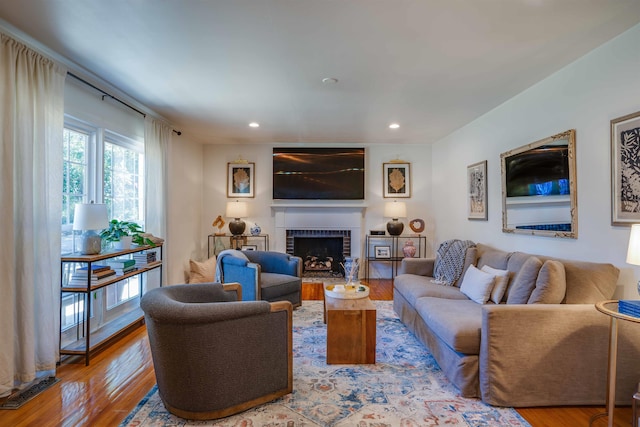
x=202, y=272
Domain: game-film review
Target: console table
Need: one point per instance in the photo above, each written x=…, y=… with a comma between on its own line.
x=610, y=308
x=389, y=249
x=218, y=242
x=87, y=339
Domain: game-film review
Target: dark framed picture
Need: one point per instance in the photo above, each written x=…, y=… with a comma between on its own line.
x=249, y=247
x=240, y=179
x=396, y=179
x=382, y=252
x=477, y=192
x=625, y=169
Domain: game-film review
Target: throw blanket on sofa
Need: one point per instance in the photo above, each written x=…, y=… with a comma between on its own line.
x=450, y=260
x=228, y=252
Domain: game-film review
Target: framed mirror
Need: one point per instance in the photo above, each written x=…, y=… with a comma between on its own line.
x=539, y=188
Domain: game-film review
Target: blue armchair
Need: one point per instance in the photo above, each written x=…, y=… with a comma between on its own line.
x=263, y=275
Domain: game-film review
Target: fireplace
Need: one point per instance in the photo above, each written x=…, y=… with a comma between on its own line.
x=322, y=251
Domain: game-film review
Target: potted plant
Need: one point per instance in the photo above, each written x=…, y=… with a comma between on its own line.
x=123, y=233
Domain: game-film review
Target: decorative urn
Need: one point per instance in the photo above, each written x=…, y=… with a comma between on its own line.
x=409, y=250
x=255, y=230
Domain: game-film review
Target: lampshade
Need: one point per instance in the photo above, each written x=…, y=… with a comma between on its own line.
x=90, y=216
x=236, y=209
x=395, y=209
x=633, y=252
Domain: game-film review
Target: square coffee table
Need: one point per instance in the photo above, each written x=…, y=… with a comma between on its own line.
x=351, y=330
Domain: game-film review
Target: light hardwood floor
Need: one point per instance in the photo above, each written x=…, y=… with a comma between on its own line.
x=103, y=393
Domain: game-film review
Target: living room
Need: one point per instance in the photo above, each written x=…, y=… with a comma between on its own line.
x=589, y=92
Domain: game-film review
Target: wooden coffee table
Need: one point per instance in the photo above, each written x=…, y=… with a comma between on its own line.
x=351, y=330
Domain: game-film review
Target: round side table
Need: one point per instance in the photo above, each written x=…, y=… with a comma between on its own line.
x=610, y=308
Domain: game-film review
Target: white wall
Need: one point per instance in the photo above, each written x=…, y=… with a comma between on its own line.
x=585, y=96
x=214, y=197
x=86, y=104
x=184, y=239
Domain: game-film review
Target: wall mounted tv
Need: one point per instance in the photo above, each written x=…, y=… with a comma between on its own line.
x=318, y=173
x=543, y=171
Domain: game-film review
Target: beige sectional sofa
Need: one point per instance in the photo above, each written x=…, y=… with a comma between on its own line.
x=521, y=354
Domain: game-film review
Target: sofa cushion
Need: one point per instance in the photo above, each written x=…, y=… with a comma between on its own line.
x=500, y=282
x=202, y=272
x=274, y=285
x=455, y=322
x=492, y=257
x=412, y=287
x=588, y=282
x=551, y=284
x=477, y=284
x=524, y=281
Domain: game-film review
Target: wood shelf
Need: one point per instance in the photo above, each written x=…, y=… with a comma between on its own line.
x=112, y=279
x=105, y=332
x=91, y=341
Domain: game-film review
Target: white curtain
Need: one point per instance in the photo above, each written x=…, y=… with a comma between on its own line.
x=31, y=123
x=157, y=139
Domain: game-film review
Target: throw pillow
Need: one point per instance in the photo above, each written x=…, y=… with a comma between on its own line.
x=202, y=272
x=525, y=281
x=477, y=284
x=500, y=283
x=551, y=284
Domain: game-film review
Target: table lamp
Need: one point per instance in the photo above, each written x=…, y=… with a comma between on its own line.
x=633, y=251
x=236, y=210
x=395, y=210
x=89, y=217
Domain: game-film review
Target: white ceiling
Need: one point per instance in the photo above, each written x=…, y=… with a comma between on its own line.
x=211, y=67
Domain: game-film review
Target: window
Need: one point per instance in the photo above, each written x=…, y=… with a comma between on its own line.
x=102, y=166
x=123, y=178
x=105, y=167
x=76, y=150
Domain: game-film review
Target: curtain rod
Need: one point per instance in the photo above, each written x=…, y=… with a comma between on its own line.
x=105, y=94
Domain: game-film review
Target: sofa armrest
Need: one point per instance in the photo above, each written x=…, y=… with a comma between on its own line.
x=538, y=354
x=419, y=266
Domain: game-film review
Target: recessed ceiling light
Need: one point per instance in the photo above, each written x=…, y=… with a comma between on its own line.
x=254, y=125
x=394, y=126
x=329, y=80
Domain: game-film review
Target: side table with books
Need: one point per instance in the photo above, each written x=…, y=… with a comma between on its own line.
x=627, y=310
x=92, y=284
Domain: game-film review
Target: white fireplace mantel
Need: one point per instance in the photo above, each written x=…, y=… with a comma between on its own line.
x=319, y=216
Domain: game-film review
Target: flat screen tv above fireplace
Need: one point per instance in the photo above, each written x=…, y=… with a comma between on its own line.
x=318, y=173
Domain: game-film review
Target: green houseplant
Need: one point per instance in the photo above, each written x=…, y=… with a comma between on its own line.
x=122, y=229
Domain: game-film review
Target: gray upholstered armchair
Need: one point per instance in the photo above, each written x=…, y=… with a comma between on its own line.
x=214, y=355
x=264, y=275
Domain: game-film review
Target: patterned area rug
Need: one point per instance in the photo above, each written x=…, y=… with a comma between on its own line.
x=404, y=388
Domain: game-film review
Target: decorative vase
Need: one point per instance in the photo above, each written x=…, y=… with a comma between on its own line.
x=350, y=269
x=409, y=250
x=255, y=230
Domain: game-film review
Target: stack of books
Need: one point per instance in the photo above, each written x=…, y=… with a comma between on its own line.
x=629, y=307
x=99, y=274
x=145, y=257
x=122, y=265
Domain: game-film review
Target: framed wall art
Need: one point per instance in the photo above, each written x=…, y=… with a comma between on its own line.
x=240, y=179
x=477, y=192
x=382, y=252
x=396, y=179
x=625, y=169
